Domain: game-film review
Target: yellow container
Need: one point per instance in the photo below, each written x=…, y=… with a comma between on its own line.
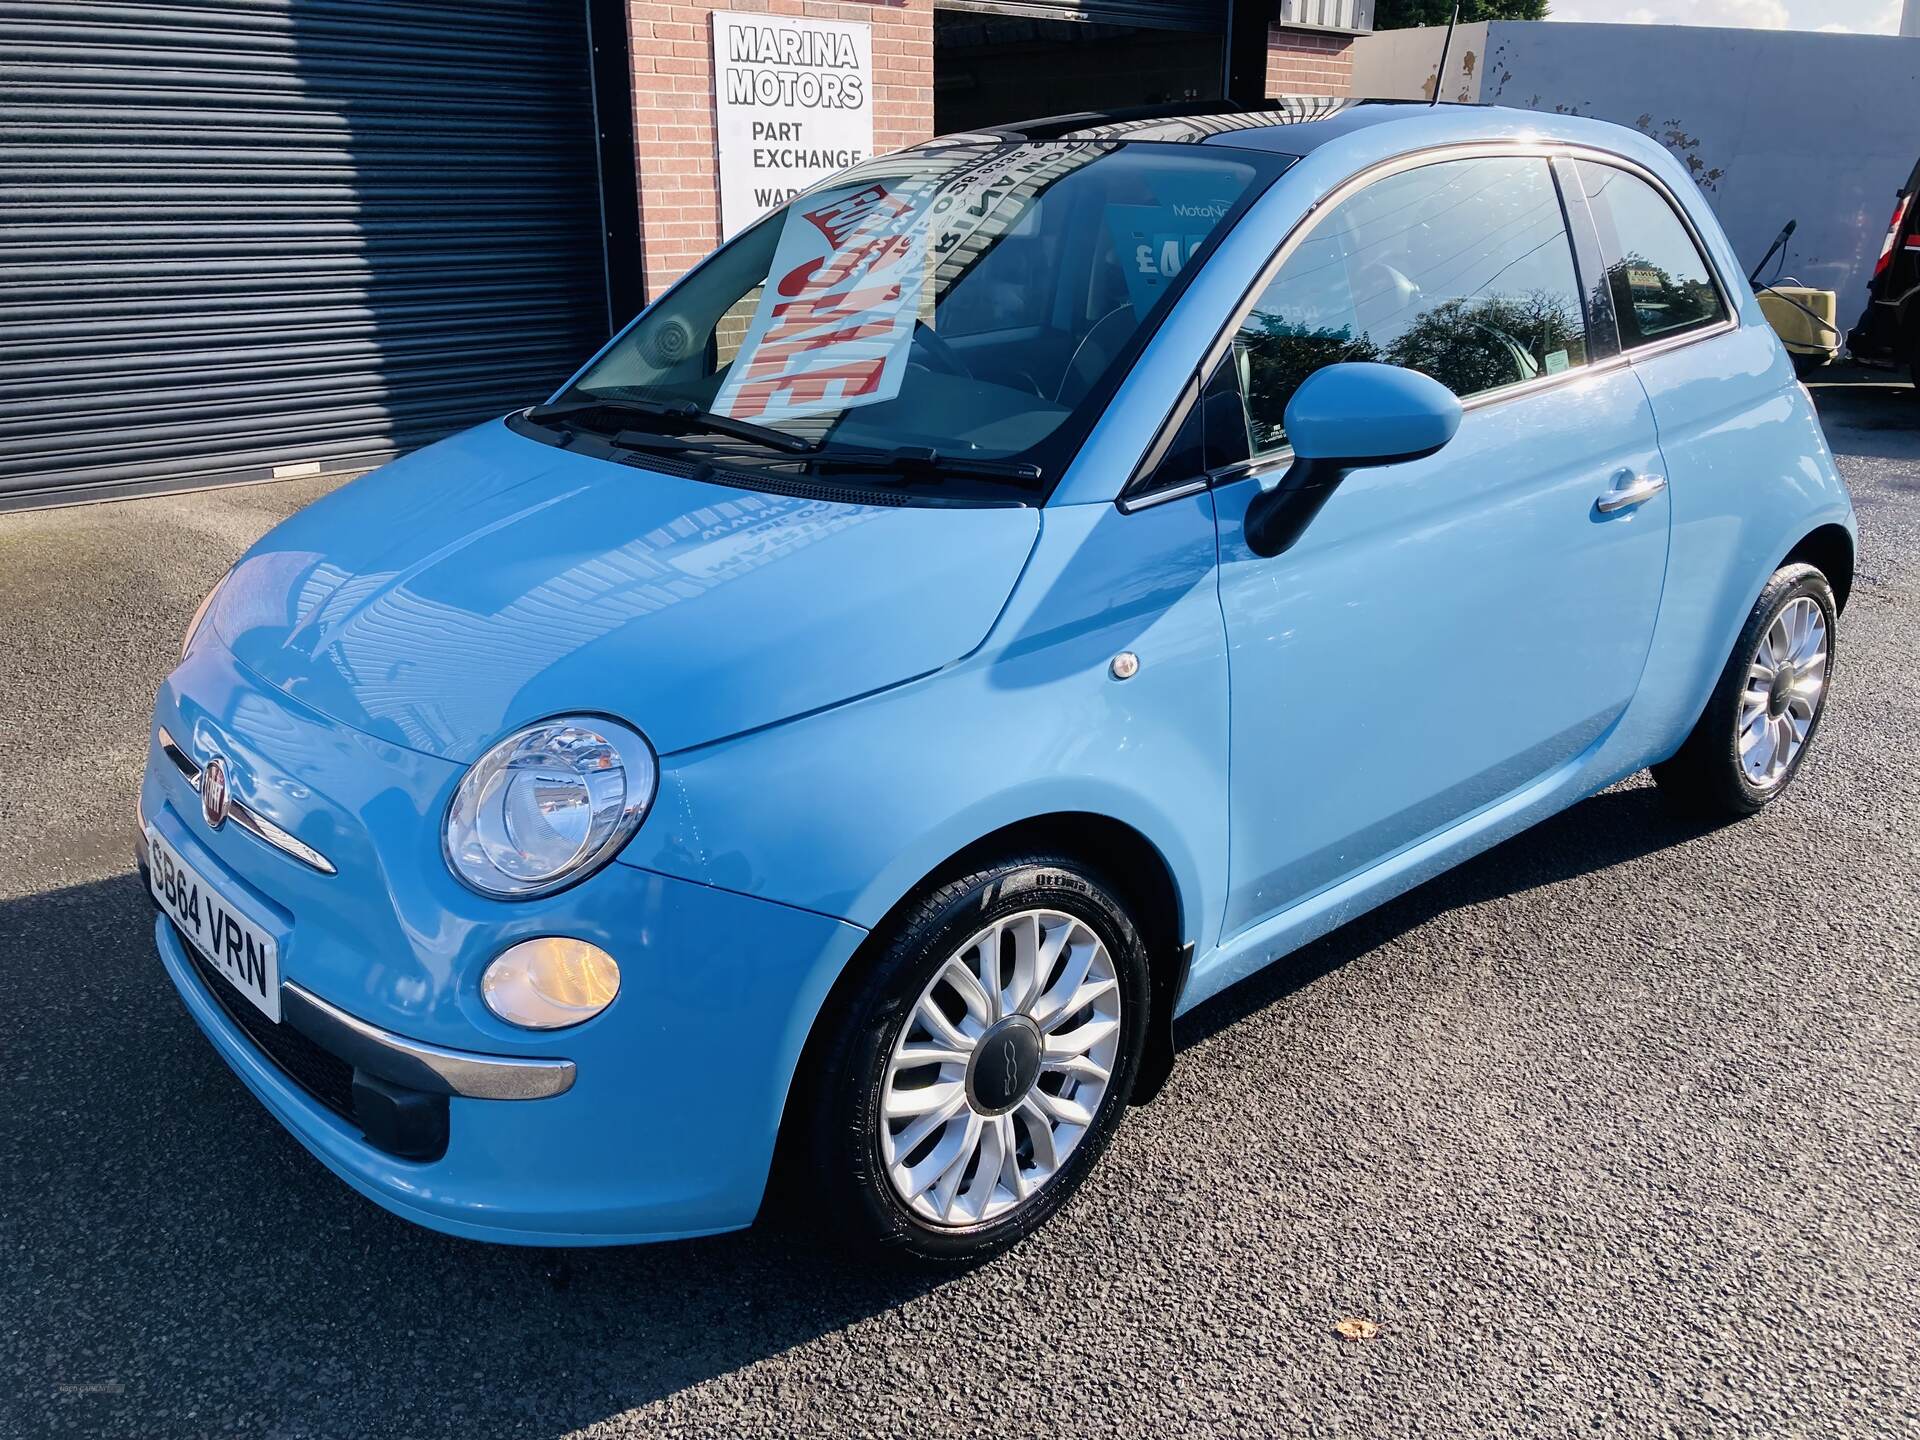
x=1803, y=335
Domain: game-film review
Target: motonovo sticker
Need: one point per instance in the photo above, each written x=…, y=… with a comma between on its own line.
x=1154, y=242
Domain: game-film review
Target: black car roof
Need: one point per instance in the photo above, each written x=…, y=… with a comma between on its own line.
x=1293, y=125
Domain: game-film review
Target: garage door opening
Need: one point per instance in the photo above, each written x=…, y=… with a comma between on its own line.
x=991, y=68
x=255, y=240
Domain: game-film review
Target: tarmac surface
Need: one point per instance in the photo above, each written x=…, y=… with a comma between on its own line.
x=1611, y=1131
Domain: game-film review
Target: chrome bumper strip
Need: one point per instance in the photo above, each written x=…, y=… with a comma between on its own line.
x=258, y=826
x=415, y=1063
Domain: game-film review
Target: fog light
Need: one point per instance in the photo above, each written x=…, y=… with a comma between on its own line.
x=549, y=983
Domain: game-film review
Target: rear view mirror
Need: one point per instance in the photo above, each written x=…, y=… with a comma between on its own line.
x=1346, y=418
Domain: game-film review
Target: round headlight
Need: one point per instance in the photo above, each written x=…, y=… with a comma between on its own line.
x=548, y=805
x=547, y=983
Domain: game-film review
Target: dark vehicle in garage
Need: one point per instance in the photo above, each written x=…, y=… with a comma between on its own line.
x=1889, y=332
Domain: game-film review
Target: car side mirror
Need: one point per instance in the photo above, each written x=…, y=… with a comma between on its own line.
x=1342, y=419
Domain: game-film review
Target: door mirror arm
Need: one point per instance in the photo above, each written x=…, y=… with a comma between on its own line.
x=1345, y=418
x=1280, y=516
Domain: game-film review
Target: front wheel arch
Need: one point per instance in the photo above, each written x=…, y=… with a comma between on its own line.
x=1139, y=874
x=1135, y=866
x=1120, y=854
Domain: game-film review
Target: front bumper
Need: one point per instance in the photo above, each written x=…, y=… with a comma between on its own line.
x=392, y=1089
x=668, y=1126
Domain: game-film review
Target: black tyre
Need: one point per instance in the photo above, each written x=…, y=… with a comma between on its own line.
x=1763, y=715
x=946, y=1115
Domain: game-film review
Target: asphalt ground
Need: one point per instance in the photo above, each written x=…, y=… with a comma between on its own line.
x=1611, y=1131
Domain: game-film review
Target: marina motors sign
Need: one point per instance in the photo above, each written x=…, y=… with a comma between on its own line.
x=793, y=102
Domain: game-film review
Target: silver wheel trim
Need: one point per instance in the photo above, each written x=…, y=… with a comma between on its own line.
x=950, y=1163
x=1769, y=743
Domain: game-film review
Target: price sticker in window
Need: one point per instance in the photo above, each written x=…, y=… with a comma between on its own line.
x=1153, y=243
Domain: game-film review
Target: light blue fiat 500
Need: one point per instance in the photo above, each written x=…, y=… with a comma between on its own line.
x=1015, y=591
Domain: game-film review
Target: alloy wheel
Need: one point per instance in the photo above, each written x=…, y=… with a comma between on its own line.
x=1785, y=684
x=1000, y=1068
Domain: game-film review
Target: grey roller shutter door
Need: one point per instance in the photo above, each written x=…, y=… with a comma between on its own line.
x=1210, y=15
x=249, y=237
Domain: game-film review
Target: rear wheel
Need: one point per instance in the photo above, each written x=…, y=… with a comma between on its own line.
x=978, y=1070
x=1761, y=719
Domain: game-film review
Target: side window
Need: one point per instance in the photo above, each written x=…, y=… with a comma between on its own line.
x=1462, y=270
x=1660, y=282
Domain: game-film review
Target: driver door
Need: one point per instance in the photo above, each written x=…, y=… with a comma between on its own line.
x=1449, y=630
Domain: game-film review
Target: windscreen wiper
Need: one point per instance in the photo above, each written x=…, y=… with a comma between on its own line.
x=680, y=413
x=913, y=461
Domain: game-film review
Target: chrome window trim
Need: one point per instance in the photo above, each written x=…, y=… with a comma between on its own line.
x=1276, y=459
x=256, y=825
x=1185, y=489
x=1128, y=503
x=1651, y=348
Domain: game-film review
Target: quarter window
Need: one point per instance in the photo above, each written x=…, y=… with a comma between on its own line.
x=1462, y=270
x=1660, y=282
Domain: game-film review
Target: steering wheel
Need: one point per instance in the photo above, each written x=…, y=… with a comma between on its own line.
x=946, y=359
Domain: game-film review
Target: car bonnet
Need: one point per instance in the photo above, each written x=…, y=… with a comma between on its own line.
x=491, y=580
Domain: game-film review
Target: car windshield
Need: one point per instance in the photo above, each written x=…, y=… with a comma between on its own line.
x=972, y=304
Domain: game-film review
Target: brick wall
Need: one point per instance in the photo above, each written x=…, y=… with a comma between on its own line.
x=676, y=152
x=1300, y=62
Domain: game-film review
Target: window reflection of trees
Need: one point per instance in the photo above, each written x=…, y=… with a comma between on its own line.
x=1661, y=302
x=1470, y=345
x=1636, y=222
x=1461, y=270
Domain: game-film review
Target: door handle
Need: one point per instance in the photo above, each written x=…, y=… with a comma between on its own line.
x=1630, y=490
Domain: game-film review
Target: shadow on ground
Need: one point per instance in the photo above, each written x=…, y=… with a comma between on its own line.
x=165, y=1212
x=140, y=1171
x=1608, y=829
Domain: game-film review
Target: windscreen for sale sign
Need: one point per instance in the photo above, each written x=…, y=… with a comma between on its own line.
x=850, y=275
x=837, y=314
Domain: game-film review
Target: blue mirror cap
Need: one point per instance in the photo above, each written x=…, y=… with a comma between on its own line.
x=1365, y=411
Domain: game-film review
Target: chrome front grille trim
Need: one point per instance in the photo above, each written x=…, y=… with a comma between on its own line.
x=258, y=826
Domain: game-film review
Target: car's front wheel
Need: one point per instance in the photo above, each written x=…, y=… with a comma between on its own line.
x=979, y=1066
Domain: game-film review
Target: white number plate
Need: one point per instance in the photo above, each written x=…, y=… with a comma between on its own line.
x=239, y=948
